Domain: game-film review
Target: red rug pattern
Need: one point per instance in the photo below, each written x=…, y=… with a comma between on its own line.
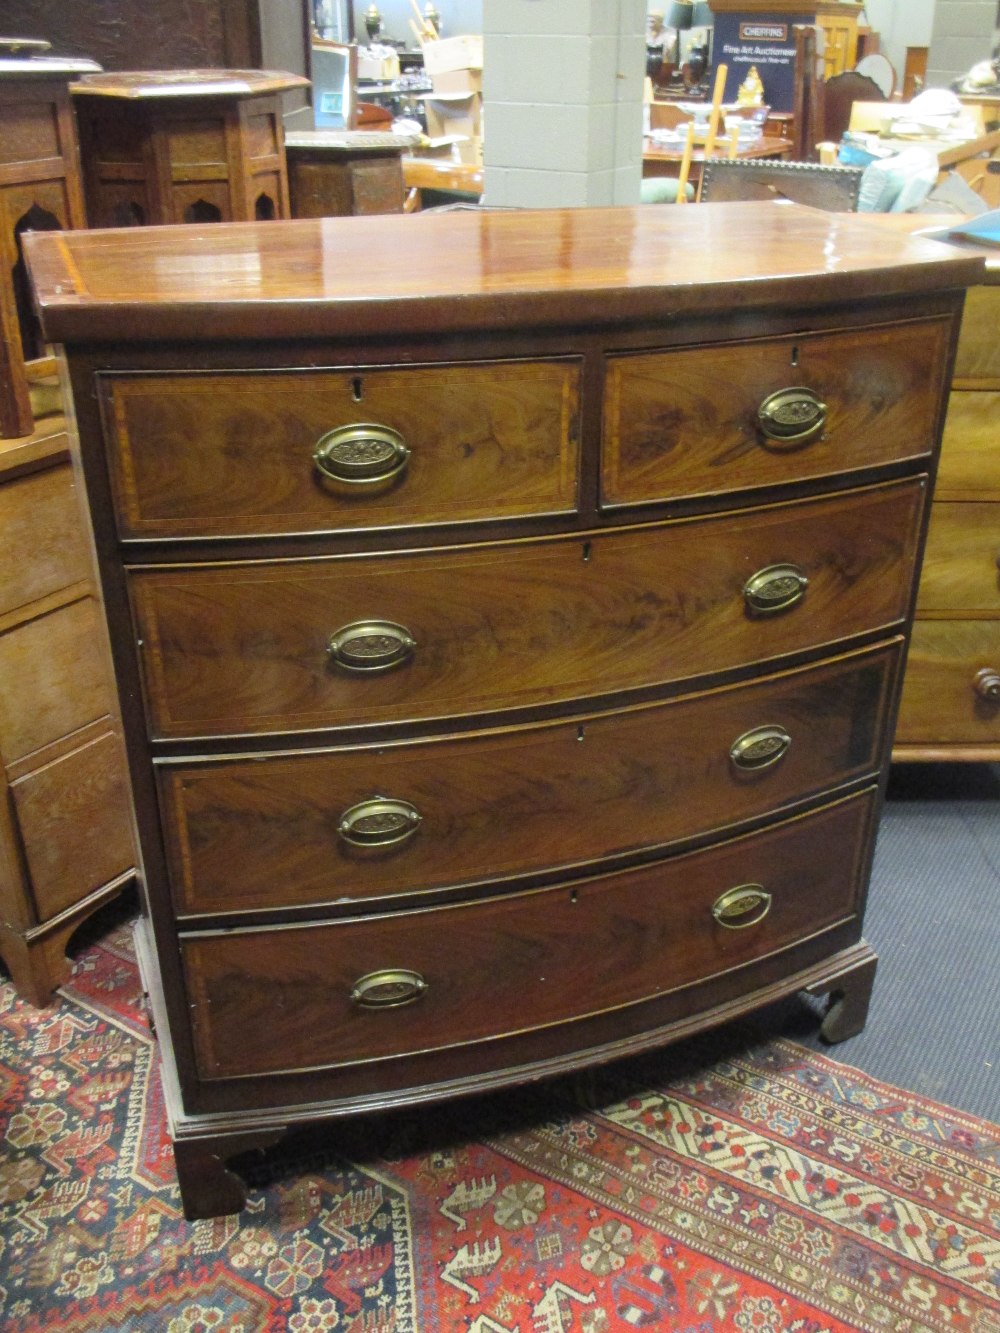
x=774, y=1190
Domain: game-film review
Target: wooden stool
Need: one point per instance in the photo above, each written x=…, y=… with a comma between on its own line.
x=333, y=173
x=40, y=190
x=164, y=146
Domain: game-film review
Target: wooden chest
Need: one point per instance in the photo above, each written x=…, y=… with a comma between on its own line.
x=950, y=708
x=65, y=829
x=508, y=629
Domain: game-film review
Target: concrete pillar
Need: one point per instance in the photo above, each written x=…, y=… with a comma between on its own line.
x=562, y=98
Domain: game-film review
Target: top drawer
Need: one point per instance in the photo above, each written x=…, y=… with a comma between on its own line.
x=688, y=422
x=234, y=453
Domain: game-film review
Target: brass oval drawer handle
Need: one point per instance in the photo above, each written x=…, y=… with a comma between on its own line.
x=388, y=988
x=987, y=684
x=371, y=645
x=760, y=748
x=361, y=455
x=378, y=822
x=792, y=416
x=746, y=905
x=775, y=588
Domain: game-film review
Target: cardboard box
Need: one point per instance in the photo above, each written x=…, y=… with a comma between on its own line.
x=454, y=113
x=458, y=81
x=451, y=53
x=381, y=68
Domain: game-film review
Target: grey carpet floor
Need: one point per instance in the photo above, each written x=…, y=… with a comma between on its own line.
x=934, y=920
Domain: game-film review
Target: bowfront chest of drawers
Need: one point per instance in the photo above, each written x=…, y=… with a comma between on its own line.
x=508, y=634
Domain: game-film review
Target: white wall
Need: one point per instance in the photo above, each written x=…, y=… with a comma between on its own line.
x=900, y=23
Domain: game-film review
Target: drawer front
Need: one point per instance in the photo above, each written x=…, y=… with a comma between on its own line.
x=52, y=678
x=946, y=695
x=978, y=355
x=512, y=964
x=217, y=454
x=42, y=548
x=970, y=449
x=75, y=824
x=244, y=647
x=364, y=825
x=960, y=564
x=685, y=423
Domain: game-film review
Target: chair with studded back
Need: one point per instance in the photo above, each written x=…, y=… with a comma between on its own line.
x=834, y=189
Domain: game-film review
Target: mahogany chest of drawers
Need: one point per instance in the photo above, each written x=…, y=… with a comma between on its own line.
x=508, y=633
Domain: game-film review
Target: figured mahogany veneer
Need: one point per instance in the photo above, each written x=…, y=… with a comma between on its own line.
x=244, y=835
x=560, y=730
x=243, y=648
x=207, y=454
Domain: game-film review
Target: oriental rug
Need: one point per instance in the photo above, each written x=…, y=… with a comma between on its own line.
x=771, y=1189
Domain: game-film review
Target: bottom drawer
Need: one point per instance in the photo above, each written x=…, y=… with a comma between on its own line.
x=943, y=700
x=288, y=999
x=74, y=821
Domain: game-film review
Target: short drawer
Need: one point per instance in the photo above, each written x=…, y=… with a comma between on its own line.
x=257, y=646
x=75, y=825
x=302, y=451
x=687, y=422
x=978, y=355
x=272, y=1000
x=949, y=688
x=970, y=448
x=372, y=825
x=42, y=547
x=960, y=564
x=53, y=677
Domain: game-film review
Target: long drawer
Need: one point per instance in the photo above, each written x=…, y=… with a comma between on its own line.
x=325, y=450
x=706, y=420
x=249, y=647
x=970, y=459
x=960, y=564
x=951, y=688
x=304, y=997
x=372, y=825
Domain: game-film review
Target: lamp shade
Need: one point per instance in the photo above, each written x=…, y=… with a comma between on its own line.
x=679, y=15
x=702, y=16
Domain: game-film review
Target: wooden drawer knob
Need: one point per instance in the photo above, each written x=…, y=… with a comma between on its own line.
x=775, y=588
x=388, y=988
x=792, y=417
x=987, y=684
x=760, y=748
x=371, y=645
x=363, y=456
x=379, y=822
x=746, y=905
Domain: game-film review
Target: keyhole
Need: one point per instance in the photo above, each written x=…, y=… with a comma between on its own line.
x=795, y=356
x=356, y=389
x=586, y=552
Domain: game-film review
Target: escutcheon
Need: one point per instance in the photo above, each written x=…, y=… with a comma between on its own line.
x=388, y=988
x=792, y=417
x=362, y=456
x=760, y=748
x=775, y=588
x=746, y=905
x=371, y=645
x=379, y=822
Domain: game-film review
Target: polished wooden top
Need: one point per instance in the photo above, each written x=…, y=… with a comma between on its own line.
x=467, y=270
x=150, y=84
x=917, y=223
x=347, y=143
x=767, y=146
x=436, y=173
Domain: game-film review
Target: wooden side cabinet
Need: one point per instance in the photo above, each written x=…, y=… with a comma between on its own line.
x=65, y=832
x=950, y=709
